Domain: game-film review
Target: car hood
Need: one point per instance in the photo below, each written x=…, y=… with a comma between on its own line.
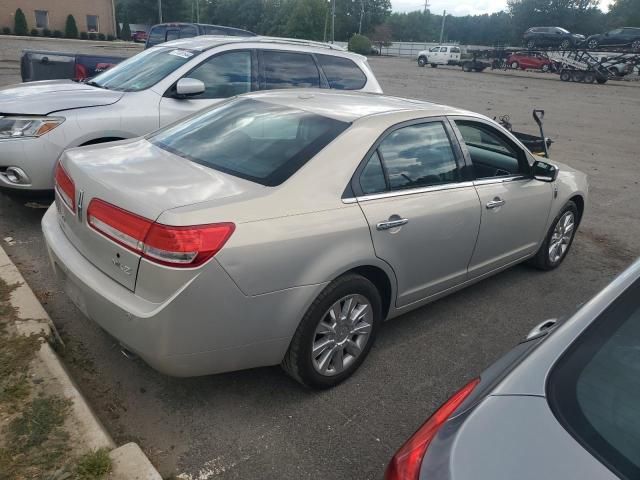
x=48, y=96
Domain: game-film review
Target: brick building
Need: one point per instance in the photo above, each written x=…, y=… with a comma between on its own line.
x=90, y=15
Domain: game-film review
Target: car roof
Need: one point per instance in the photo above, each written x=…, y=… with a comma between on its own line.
x=351, y=106
x=206, y=42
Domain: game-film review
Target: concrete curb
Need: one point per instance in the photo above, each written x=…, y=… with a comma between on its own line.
x=129, y=462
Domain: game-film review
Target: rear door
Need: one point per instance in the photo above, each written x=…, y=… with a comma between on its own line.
x=515, y=206
x=224, y=75
x=423, y=216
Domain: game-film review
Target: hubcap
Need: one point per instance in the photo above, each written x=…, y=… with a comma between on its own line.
x=561, y=237
x=341, y=335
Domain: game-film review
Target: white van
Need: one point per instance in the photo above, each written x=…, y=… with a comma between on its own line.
x=440, y=55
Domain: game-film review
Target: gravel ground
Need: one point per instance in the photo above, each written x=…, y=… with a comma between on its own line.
x=258, y=423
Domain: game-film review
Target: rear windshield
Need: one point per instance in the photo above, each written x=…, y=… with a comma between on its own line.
x=144, y=69
x=254, y=140
x=594, y=390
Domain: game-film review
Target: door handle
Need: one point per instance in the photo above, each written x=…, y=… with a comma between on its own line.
x=392, y=224
x=495, y=203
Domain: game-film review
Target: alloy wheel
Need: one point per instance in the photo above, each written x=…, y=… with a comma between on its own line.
x=593, y=44
x=636, y=45
x=341, y=335
x=561, y=238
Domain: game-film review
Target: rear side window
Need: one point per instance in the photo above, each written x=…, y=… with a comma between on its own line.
x=342, y=73
x=455, y=50
x=418, y=156
x=257, y=141
x=289, y=70
x=224, y=75
x=157, y=35
x=594, y=389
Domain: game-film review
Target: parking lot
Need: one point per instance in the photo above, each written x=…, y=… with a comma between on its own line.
x=261, y=424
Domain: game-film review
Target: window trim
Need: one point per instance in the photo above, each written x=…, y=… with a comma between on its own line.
x=510, y=139
x=353, y=191
x=576, y=351
x=325, y=80
x=46, y=15
x=97, y=30
x=170, y=91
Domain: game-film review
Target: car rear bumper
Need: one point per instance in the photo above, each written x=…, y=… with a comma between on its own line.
x=208, y=326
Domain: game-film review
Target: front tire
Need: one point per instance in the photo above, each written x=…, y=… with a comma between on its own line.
x=336, y=334
x=565, y=45
x=515, y=65
x=559, y=239
x=422, y=62
x=593, y=44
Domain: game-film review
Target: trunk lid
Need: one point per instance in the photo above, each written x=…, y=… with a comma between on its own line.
x=142, y=179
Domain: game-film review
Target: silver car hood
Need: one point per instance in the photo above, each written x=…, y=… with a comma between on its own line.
x=48, y=96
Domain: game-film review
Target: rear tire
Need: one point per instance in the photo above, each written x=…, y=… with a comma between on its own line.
x=565, y=45
x=635, y=45
x=577, y=76
x=593, y=44
x=545, y=67
x=565, y=75
x=589, y=77
x=466, y=67
x=311, y=368
x=548, y=257
x=515, y=65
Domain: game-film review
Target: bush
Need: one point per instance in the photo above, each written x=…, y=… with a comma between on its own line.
x=70, y=28
x=92, y=36
x=57, y=34
x=125, y=34
x=111, y=38
x=6, y=31
x=360, y=44
x=101, y=36
x=35, y=32
x=84, y=35
x=46, y=32
x=20, y=26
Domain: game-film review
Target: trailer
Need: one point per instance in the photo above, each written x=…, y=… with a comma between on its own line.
x=587, y=66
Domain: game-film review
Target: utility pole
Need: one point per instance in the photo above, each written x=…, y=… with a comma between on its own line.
x=426, y=5
x=159, y=11
x=198, y=11
x=444, y=15
x=333, y=21
x=361, y=15
x=326, y=22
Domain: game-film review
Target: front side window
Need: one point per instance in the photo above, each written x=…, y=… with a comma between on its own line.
x=418, y=156
x=157, y=35
x=258, y=141
x=434, y=49
x=594, y=389
x=455, y=50
x=42, y=19
x=92, y=23
x=144, y=69
x=342, y=73
x=492, y=154
x=224, y=75
x=289, y=70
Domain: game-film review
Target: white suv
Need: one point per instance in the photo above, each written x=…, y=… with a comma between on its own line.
x=440, y=55
x=154, y=88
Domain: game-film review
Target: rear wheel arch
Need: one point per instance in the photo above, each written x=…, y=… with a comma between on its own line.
x=382, y=282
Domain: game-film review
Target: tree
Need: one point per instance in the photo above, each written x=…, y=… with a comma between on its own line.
x=70, y=28
x=20, y=23
x=125, y=33
x=381, y=36
x=306, y=19
x=625, y=12
x=570, y=14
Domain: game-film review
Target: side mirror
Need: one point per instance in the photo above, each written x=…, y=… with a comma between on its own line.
x=187, y=87
x=543, y=171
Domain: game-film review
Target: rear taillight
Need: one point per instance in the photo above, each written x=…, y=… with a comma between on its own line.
x=174, y=246
x=65, y=187
x=80, y=72
x=406, y=463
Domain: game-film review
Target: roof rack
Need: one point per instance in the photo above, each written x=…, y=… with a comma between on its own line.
x=297, y=41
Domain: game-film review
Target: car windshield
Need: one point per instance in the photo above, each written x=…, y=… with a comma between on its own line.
x=594, y=390
x=250, y=139
x=144, y=69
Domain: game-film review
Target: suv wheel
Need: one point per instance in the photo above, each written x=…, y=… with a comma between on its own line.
x=565, y=75
x=558, y=241
x=422, y=61
x=593, y=43
x=565, y=44
x=635, y=45
x=336, y=333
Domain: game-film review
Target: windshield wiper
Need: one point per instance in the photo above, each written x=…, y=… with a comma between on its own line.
x=94, y=84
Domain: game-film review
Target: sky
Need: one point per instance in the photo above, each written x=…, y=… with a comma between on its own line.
x=460, y=7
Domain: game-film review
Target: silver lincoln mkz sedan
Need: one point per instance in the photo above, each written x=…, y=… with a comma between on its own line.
x=284, y=227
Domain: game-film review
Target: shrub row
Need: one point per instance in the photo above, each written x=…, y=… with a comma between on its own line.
x=71, y=30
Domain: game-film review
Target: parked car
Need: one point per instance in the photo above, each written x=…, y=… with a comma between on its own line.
x=569, y=394
x=284, y=227
x=440, y=55
x=536, y=37
x=529, y=60
x=139, y=36
x=166, y=32
x=153, y=89
x=46, y=65
x=620, y=37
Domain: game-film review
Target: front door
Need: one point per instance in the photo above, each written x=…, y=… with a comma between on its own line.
x=515, y=207
x=224, y=75
x=422, y=216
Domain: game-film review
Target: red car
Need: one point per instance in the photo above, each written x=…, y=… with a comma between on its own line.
x=139, y=36
x=529, y=60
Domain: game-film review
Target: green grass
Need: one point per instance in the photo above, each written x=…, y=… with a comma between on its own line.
x=94, y=465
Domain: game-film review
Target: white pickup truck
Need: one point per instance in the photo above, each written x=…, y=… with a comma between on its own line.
x=440, y=55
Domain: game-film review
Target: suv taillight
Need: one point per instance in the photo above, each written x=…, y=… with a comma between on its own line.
x=406, y=463
x=65, y=187
x=167, y=245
